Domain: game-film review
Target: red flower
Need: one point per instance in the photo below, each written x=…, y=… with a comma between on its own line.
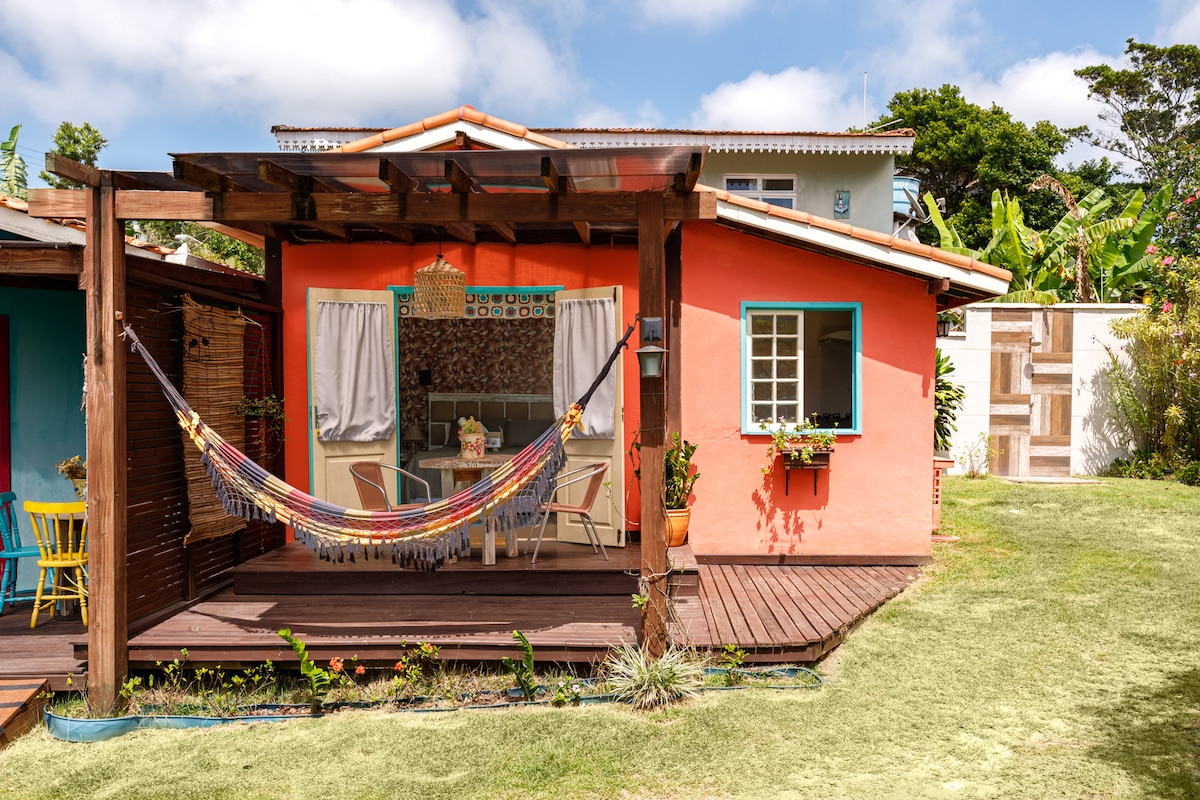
x=335, y=664
x=360, y=670
x=400, y=665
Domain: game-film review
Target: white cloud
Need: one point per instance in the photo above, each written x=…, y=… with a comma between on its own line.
x=1046, y=88
x=1182, y=25
x=928, y=41
x=1042, y=88
x=306, y=62
x=792, y=100
x=697, y=13
x=602, y=116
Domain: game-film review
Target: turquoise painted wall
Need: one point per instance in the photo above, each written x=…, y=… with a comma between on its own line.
x=46, y=344
x=868, y=178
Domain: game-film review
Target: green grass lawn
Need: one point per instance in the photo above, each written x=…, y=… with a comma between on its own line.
x=1054, y=652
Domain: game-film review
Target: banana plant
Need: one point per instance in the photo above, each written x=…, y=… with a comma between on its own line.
x=12, y=167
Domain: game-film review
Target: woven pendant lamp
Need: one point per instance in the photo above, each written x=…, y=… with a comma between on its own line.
x=439, y=291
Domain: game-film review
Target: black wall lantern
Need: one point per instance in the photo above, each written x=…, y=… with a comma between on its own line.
x=650, y=356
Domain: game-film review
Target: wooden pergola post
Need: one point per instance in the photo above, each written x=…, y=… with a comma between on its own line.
x=652, y=302
x=104, y=385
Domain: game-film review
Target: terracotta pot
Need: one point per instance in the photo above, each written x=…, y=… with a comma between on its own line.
x=472, y=445
x=677, y=525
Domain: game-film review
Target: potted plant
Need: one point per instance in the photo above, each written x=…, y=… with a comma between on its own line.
x=470, y=437
x=74, y=469
x=678, y=480
x=801, y=444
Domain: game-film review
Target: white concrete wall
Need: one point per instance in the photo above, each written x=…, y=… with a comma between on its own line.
x=1094, y=440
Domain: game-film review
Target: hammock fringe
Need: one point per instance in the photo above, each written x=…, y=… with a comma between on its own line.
x=510, y=498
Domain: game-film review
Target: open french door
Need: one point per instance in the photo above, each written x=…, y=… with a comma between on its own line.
x=330, y=460
x=608, y=512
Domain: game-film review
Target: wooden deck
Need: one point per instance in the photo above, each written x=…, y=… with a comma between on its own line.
x=21, y=705
x=573, y=606
x=783, y=613
x=45, y=653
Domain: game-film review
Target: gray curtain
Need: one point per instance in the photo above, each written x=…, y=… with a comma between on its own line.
x=584, y=336
x=354, y=383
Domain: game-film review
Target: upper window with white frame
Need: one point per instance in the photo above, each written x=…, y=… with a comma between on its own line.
x=801, y=360
x=778, y=190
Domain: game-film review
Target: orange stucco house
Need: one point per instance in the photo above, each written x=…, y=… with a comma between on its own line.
x=772, y=313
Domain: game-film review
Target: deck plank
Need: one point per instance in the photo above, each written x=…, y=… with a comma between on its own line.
x=752, y=630
x=764, y=607
x=790, y=608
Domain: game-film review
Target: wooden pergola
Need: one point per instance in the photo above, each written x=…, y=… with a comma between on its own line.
x=531, y=196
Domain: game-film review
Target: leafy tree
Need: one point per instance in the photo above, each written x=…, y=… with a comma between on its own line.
x=1154, y=107
x=81, y=143
x=12, y=167
x=964, y=152
x=201, y=241
x=1083, y=257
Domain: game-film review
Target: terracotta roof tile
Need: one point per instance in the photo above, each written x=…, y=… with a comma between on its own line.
x=863, y=234
x=463, y=113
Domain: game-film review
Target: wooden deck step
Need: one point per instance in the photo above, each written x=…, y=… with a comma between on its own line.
x=783, y=613
x=236, y=629
x=21, y=706
x=562, y=569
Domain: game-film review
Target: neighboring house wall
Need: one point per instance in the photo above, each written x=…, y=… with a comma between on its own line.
x=867, y=177
x=875, y=500
x=1094, y=441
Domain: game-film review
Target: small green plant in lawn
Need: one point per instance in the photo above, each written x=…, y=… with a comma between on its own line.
x=731, y=659
x=646, y=682
x=974, y=457
x=523, y=670
x=566, y=693
x=411, y=670
x=317, y=677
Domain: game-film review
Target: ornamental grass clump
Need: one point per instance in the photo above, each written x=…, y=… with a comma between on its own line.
x=645, y=682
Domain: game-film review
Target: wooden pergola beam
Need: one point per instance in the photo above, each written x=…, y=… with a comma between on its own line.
x=459, y=179
x=369, y=208
x=63, y=167
x=397, y=180
x=464, y=233
x=104, y=382
x=652, y=302
x=557, y=184
x=686, y=181
x=272, y=173
x=48, y=260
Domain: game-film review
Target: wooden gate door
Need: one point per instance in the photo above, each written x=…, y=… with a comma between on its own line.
x=1030, y=404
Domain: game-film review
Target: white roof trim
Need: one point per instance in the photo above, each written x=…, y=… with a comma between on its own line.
x=740, y=142
x=426, y=140
x=880, y=254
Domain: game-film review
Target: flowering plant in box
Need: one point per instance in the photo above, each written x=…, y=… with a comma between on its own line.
x=469, y=425
x=798, y=440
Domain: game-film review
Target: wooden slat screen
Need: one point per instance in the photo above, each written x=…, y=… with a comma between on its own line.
x=162, y=571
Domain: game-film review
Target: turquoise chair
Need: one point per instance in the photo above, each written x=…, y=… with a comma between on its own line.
x=11, y=552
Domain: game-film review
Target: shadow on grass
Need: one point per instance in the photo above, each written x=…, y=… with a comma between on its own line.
x=1154, y=736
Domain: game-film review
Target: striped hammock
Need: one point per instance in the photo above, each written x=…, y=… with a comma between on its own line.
x=512, y=497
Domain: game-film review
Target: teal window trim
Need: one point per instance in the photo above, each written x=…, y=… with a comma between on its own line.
x=492, y=289
x=749, y=427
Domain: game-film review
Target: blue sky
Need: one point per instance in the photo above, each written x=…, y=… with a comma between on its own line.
x=163, y=76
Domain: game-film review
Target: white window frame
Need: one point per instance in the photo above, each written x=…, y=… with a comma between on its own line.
x=766, y=195
x=748, y=424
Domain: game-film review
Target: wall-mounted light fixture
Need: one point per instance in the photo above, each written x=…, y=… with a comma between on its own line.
x=943, y=327
x=651, y=356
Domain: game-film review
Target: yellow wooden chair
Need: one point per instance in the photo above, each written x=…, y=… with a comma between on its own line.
x=61, y=530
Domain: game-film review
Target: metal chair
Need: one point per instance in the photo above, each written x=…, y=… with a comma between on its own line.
x=61, y=530
x=368, y=480
x=594, y=474
x=10, y=551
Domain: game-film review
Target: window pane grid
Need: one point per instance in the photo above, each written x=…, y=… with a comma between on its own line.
x=774, y=366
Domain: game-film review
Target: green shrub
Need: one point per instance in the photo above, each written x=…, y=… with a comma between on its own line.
x=1189, y=474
